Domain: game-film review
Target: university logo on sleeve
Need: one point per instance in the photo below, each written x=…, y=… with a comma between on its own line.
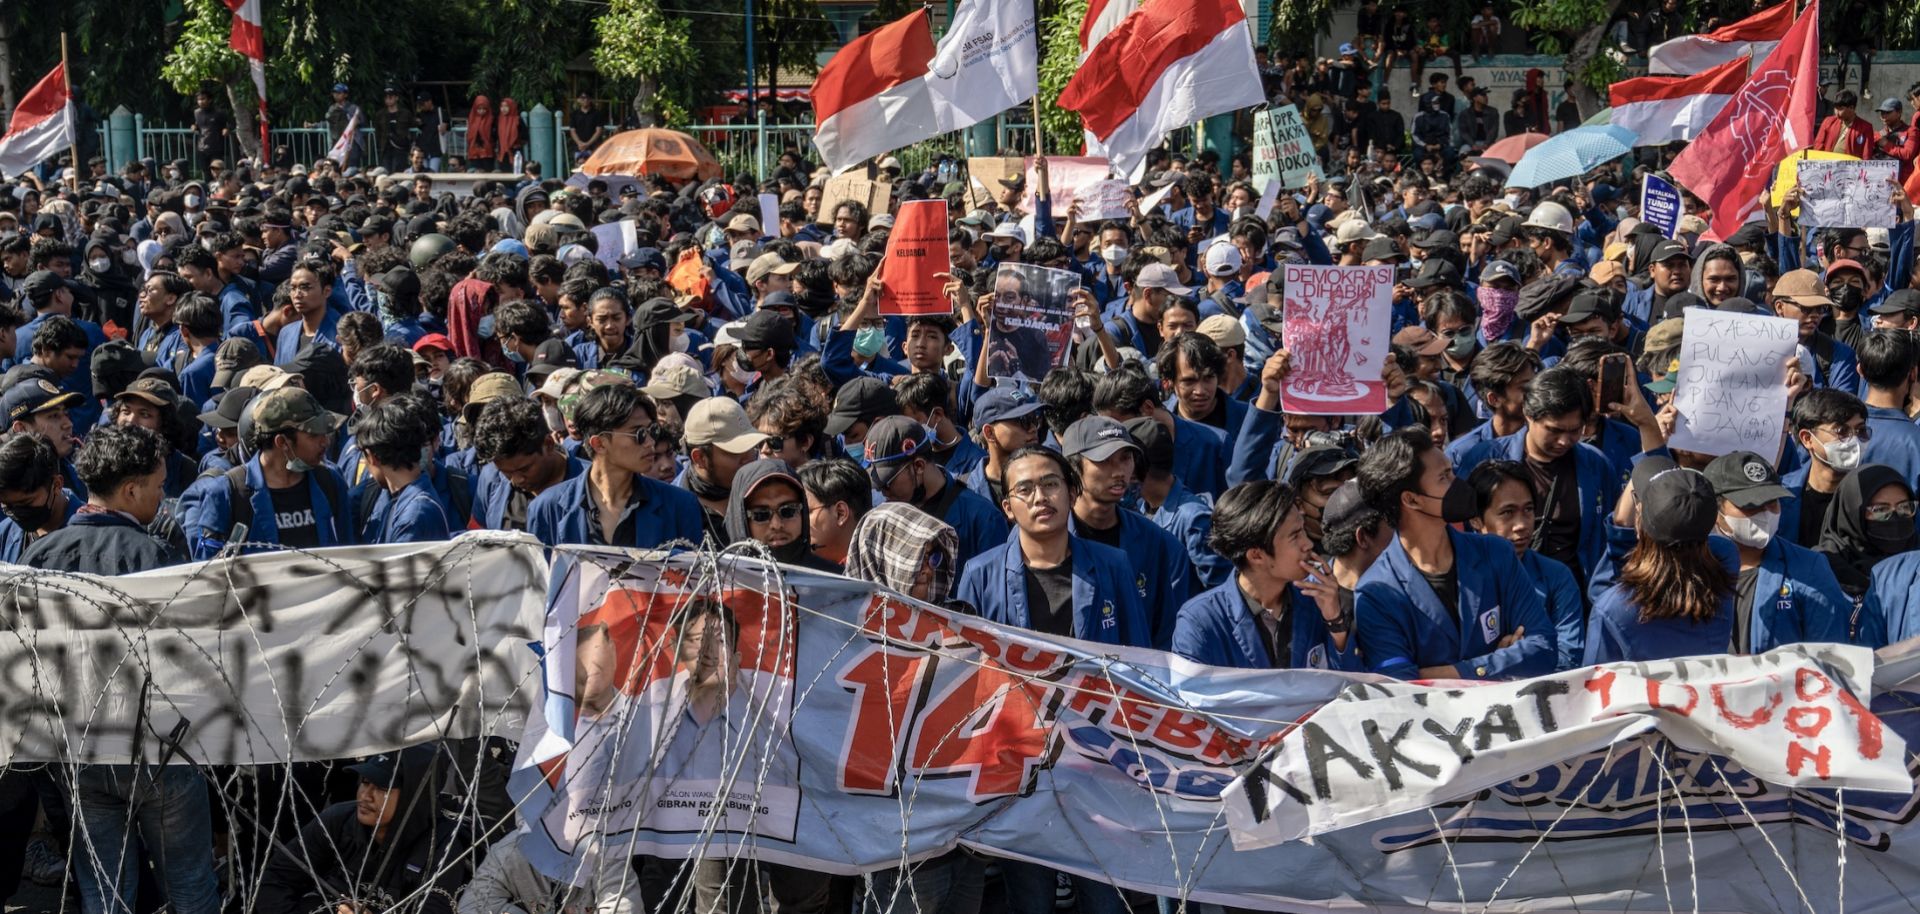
x=1317, y=657
x=1107, y=617
x=1490, y=625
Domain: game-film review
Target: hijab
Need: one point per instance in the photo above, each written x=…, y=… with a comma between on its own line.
x=1851, y=543
x=652, y=335
x=753, y=476
x=149, y=253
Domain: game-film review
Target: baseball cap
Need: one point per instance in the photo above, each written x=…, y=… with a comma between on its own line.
x=1343, y=506
x=381, y=770
x=339, y=87
x=437, y=341
x=1347, y=49
x=1665, y=382
x=1351, y=231
x=1743, y=478
x=1738, y=305
x=1592, y=303
x=1223, y=259
x=1435, y=272
x=1802, y=287
x=1161, y=276
x=1606, y=271
x=265, y=378
x=722, y=423
x=1498, y=269
x=557, y=383
x=1669, y=249
x=891, y=443
x=1381, y=248
x=149, y=390
x=1156, y=443
x=550, y=356
x=767, y=265
x=644, y=257
x=41, y=284
x=35, y=396
x=1845, y=264
x=1665, y=334
x=861, y=399
x=1003, y=403
x=1224, y=331
x=494, y=385
x=741, y=253
x=1097, y=438
x=1320, y=461
x=226, y=413
x=1677, y=505
x=401, y=283
x=741, y=222
x=764, y=329
x=1888, y=105
x=671, y=381
x=1421, y=340
x=293, y=409
x=1905, y=301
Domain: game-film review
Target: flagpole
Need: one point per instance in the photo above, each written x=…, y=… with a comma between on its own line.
x=73, y=127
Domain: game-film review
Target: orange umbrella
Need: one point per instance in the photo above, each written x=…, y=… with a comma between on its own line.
x=653, y=151
x=1512, y=148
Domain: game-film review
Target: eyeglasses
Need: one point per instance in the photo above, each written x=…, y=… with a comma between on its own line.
x=301, y=287
x=658, y=431
x=1049, y=486
x=1903, y=510
x=773, y=443
x=1864, y=433
x=787, y=511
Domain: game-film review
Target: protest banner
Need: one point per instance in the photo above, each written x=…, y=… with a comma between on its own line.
x=859, y=729
x=612, y=241
x=984, y=175
x=1282, y=149
x=1105, y=199
x=1068, y=177
x=1660, y=205
x=770, y=215
x=1786, y=177
x=1856, y=194
x=1032, y=321
x=267, y=659
x=917, y=254
x=1338, y=326
x=874, y=195
x=1731, y=390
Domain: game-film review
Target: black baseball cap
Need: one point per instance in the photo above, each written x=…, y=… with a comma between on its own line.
x=1745, y=479
x=548, y=357
x=1343, y=506
x=1903, y=301
x=1319, y=462
x=1739, y=305
x=860, y=399
x=382, y=770
x=41, y=284
x=1381, y=248
x=1156, y=443
x=1002, y=403
x=764, y=329
x=1669, y=249
x=1677, y=505
x=1591, y=303
x=1435, y=272
x=891, y=444
x=1097, y=438
x=232, y=405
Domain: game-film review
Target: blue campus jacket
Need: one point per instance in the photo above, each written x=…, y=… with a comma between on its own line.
x=1796, y=598
x=1402, y=626
x=13, y=540
x=236, y=309
x=1200, y=457
x=559, y=515
x=1599, y=485
x=1560, y=594
x=286, y=345
x=979, y=524
x=1236, y=418
x=1158, y=567
x=414, y=515
x=1189, y=518
x=1891, y=610
x=212, y=516
x=1218, y=628
x=1895, y=442
x=491, y=491
x=86, y=413
x=196, y=380
x=1615, y=632
x=1106, y=607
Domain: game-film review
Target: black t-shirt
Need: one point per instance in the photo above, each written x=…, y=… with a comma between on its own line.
x=1743, y=610
x=515, y=517
x=1107, y=537
x=1446, y=586
x=207, y=124
x=396, y=127
x=1050, y=599
x=293, y=514
x=429, y=139
x=1813, y=514
x=1559, y=508
x=583, y=123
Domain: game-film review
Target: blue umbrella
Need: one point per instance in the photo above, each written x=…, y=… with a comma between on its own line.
x=1571, y=154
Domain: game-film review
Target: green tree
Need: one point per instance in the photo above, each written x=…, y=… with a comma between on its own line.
x=644, y=48
x=1059, y=58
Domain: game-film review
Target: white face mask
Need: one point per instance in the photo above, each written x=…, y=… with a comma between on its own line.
x=193, y=201
x=679, y=342
x=555, y=421
x=1842, y=454
x=1513, y=201
x=100, y=264
x=1753, y=532
x=1114, y=254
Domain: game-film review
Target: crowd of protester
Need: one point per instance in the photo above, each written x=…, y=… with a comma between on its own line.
x=297, y=359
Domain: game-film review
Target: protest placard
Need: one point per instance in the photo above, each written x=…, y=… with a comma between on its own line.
x=874, y=195
x=1660, y=205
x=983, y=178
x=1068, y=178
x=1151, y=202
x=1731, y=390
x=612, y=241
x=916, y=256
x=1032, y=321
x=1856, y=194
x=1106, y=199
x=1282, y=149
x=770, y=215
x=1786, y=176
x=1338, y=324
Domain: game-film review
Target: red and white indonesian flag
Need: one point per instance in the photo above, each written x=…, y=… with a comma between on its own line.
x=42, y=124
x=1169, y=64
x=1666, y=109
x=1753, y=36
x=894, y=86
x=247, y=38
x=1730, y=164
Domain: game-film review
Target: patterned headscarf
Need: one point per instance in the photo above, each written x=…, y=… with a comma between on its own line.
x=890, y=545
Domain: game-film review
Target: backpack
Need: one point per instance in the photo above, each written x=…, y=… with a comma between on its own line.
x=459, y=496
x=240, y=507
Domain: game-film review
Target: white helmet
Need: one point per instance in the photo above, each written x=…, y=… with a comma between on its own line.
x=1551, y=215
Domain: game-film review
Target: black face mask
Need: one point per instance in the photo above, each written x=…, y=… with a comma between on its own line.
x=31, y=517
x=745, y=364
x=1889, y=536
x=1002, y=251
x=817, y=304
x=1456, y=506
x=1846, y=298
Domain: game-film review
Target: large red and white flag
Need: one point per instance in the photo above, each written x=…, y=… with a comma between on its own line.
x=250, y=40
x=1169, y=64
x=1103, y=16
x=1667, y=109
x=1769, y=117
x=42, y=124
x=894, y=86
x=1754, y=36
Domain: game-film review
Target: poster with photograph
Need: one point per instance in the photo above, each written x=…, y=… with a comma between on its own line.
x=1339, y=322
x=1032, y=321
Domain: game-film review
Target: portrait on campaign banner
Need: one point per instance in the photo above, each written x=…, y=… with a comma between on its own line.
x=1032, y=321
x=1338, y=323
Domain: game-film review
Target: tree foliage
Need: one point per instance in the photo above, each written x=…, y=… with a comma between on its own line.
x=1059, y=57
x=645, y=48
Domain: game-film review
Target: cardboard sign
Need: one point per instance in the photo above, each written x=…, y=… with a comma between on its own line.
x=1068, y=178
x=1849, y=194
x=1103, y=200
x=916, y=255
x=1787, y=176
x=1660, y=205
x=1032, y=321
x=1282, y=149
x=1338, y=324
x=983, y=178
x=874, y=195
x=1731, y=390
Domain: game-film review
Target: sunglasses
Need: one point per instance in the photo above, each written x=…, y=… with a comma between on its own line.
x=1904, y=510
x=789, y=511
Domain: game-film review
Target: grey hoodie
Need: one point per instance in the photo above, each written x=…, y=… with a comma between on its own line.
x=753, y=476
